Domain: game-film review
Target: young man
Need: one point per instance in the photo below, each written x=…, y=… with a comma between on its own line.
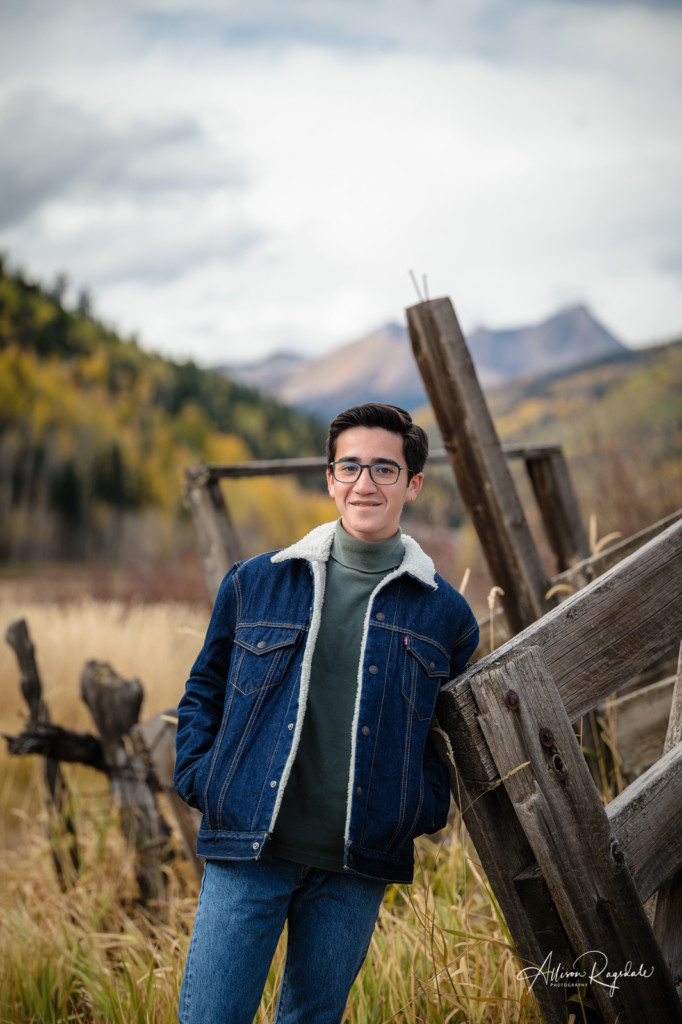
x=303, y=736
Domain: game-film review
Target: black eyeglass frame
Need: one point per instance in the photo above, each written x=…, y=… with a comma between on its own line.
x=367, y=465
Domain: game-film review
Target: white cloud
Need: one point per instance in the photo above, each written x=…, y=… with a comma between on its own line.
x=227, y=185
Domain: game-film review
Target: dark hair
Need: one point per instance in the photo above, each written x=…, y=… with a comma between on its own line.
x=389, y=417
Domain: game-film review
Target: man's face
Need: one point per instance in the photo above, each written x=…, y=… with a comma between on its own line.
x=371, y=511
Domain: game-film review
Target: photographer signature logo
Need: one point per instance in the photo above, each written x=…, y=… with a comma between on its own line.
x=592, y=968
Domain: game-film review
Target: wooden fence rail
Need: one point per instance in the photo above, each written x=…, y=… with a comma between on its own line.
x=570, y=875
x=219, y=545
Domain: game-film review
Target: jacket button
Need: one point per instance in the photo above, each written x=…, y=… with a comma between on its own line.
x=261, y=644
x=256, y=846
x=365, y=730
x=380, y=616
x=273, y=784
x=359, y=790
x=373, y=670
x=432, y=665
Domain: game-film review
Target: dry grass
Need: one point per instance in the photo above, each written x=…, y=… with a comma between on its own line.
x=156, y=643
x=441, y=952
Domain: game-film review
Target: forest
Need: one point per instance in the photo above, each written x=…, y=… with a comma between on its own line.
x=95, y=432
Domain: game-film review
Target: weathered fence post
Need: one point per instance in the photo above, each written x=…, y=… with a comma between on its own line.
x=558, y=506
x=668, y=916
x=155, y=742
x=539, y=761
x=217, y=540
x=505, y=727
x=61, y=826
x=115, y=705
x=483, y=476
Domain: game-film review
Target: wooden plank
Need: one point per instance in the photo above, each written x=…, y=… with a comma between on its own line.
x=483, y=476
x=674, y=732
x=585, y=572
x=268, y=467
x=568, y=830
x=559, y=508
x=526, y=905
x=636, y=722
x=645, y=820
x=593, y=643
x=668, y=914
x=318, y=464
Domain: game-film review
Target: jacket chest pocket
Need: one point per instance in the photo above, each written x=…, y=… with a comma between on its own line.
x=426, y=669
x=261, y=656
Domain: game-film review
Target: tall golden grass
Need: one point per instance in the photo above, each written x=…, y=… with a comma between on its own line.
x=441, y=951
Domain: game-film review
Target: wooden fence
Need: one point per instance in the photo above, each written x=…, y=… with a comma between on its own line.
x=592, y=894
x=570, y=875
x=219, y=545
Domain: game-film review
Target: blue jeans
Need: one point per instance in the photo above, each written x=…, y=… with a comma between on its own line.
x=241, y=913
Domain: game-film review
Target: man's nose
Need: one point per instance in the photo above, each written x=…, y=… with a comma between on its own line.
x=365, y=482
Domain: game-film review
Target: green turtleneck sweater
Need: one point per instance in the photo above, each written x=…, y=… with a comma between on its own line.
x=311, y=822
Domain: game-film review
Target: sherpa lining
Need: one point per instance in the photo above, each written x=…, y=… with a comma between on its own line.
x=316, y=546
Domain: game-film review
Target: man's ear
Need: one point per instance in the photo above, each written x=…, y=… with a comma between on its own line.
x=330, y=483
x=414, y=486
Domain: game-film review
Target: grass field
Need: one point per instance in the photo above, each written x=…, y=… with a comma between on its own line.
x=441, y=952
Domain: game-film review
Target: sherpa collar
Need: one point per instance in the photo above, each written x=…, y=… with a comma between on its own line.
x=316, y=545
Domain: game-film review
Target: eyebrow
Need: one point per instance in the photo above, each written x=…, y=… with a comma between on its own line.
x=374, y=462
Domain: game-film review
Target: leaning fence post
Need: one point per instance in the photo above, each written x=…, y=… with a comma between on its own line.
x=66, y=861
x=482, y=473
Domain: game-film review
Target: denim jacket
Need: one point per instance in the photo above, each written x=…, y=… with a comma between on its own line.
x=241, y=715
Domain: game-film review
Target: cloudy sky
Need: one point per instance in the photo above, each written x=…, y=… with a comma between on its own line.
x=228, y=178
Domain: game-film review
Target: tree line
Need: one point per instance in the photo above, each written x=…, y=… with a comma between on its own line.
x=95, y=432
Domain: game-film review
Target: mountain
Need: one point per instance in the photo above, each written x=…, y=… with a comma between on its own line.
x=571, y=338
x=380, y=366
x=268, y=375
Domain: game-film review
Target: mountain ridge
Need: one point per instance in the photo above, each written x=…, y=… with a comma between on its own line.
x=380, y=366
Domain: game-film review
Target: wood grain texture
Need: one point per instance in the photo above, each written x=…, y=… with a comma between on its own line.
x=469, y=437
x=594, y=642
x=569, y=832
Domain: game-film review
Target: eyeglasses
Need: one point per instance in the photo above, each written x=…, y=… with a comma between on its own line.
x=383, y=473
